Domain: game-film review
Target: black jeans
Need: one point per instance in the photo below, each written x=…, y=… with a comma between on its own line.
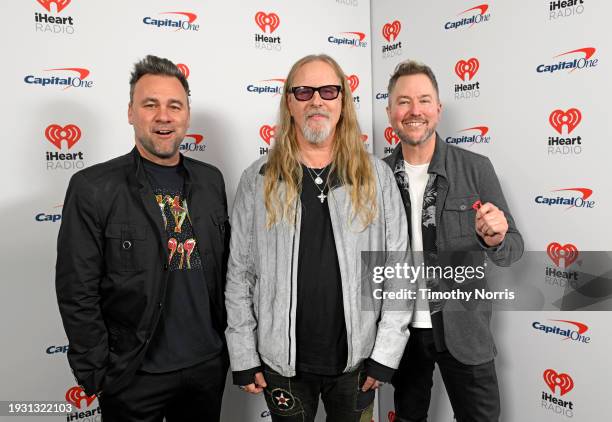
x=190, y=394
x=296, y=399
x=472, y=389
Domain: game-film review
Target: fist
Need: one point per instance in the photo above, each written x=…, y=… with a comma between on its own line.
x=491, y=224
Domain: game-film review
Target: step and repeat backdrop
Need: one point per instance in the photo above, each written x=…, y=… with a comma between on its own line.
x=523, y=83
x=526, y=84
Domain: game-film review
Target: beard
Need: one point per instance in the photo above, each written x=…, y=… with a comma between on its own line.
x=415, y=142
x=316, y=135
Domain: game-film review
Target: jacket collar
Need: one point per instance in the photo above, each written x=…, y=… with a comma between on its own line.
x=141, y=176
x=438, y=160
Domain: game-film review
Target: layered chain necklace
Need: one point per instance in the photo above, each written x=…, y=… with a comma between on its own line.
x=318, y=181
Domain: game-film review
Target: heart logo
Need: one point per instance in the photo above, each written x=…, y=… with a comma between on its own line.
x=571, y=118
x=391, y=30
x=568, y=252
x=76, y=395
x=470, y=67
x=563, y=381
x=69, y=133
x=59, y=4
x=364, y=137
x=267, y=133
x=184, y=69
x=390, y=136
x=270, y=20
x=391, y=416
x=353, y=81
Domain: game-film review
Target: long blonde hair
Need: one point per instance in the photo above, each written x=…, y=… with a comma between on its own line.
x=350, y=159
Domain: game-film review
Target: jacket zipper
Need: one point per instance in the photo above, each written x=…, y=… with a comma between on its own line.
x=291, y=280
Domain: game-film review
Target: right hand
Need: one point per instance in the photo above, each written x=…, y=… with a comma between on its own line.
x=258, y=386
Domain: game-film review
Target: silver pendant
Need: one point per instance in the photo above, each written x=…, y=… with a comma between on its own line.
x=322, y=197
x=318, y=180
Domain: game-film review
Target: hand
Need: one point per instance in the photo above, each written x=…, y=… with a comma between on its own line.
x=491, y=224
x=370, y=384
x=256, y=387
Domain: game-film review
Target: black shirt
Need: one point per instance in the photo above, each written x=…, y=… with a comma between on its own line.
x=321, y=330
x=185, y=334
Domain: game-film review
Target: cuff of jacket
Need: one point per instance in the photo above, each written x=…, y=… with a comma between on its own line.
x=245, y=377
x=488, y=248
x=378, y=371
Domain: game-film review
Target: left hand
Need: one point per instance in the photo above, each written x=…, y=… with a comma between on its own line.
x=491, y=224
x=370, y=384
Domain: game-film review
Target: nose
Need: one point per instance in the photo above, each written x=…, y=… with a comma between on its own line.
x=414, y=109
x=162, y=114
x=316, y=99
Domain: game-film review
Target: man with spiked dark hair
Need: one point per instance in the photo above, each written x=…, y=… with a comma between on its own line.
x=141, y=263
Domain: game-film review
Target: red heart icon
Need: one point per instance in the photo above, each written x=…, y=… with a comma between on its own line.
x=563, y=381
x=391, y=30
x=76, y=395
x=271, y=20
x=470, y=67
x=69, y=133
x=60, y=4
x=184, y=69
x=353, y=81
x=390, y=136
x=568, y=252
x=267, y=133
x=571, y=118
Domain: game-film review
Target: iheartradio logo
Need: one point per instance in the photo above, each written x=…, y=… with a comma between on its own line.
x=76, y=395
x=563, y=381
x=568, y=252
x=467, y=69
x=391, y=137
x=59, y=4
x=353, y=81
x=570, y=118
x=391, y=30
x=267, y=20
x=56, y=134
x=267, y=133
x=184, y=69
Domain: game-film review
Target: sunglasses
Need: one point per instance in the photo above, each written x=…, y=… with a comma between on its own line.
x=326, y=92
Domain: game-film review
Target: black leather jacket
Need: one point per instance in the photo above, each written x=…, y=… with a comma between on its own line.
x=111, y=270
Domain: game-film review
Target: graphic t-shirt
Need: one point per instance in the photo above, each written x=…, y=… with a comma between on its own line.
x=185, y=334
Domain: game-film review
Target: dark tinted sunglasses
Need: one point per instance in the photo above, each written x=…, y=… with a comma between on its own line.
x=305, y=93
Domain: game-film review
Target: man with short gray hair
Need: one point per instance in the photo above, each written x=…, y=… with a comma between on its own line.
x=140, y=274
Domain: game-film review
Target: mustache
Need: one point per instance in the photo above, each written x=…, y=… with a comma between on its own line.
x=317, y=112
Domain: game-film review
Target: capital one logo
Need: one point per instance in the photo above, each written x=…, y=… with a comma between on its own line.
x=59, y=4
x=568, y=252
x=563, y=381
x=267, y=133
x=391, y=30
x=57, y=134
x=268, y=21
x=466, y=69
x=570, y=118
x=196, y=138
x=184, y=69
x=584, y=61
x=353, y=81
x=478, y=15
x=391, y=137
x=76, y=395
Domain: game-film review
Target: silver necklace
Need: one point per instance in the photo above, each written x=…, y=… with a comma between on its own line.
x=322, y=195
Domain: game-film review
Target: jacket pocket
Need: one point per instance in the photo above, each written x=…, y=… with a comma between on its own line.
x=124, y=247
x=458, y=216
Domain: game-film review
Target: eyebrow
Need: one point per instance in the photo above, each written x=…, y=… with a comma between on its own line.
x=420, y=96
x=155, y=100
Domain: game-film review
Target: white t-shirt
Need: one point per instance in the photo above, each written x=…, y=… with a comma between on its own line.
x=417, y=182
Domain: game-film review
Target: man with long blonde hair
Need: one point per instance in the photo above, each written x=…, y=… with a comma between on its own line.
x=300, y=323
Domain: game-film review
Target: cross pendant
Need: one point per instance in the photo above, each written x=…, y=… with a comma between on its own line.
x=322, y=197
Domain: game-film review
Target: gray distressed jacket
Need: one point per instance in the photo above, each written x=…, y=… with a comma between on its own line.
x=261, y=291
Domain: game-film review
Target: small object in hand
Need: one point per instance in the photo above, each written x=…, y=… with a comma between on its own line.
x=476, y=205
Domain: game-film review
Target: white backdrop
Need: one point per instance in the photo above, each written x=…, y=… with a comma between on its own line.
x=235, y=84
